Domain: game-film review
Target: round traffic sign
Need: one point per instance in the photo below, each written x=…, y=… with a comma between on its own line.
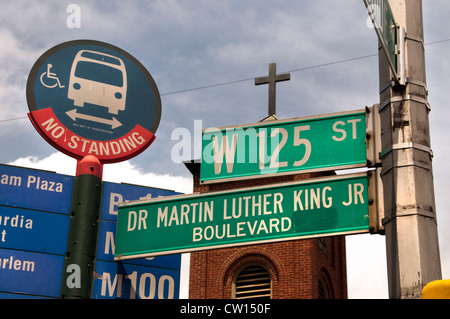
x=91, y=98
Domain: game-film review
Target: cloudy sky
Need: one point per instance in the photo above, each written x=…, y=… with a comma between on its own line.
x=203, y=56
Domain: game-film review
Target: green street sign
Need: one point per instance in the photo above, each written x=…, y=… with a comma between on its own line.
x=385, y=27
x=336, y=205
x=317, y=143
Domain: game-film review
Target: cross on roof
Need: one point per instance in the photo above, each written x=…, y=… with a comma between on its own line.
x=271, y=80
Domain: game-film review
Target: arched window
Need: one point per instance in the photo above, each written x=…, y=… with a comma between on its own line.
x=324, y=292
x=252, y=281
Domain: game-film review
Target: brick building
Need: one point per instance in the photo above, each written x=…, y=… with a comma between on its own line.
x=298, y=269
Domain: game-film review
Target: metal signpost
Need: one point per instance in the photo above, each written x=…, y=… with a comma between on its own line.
x=412, y=246
x=320, y=207
x=83, y=230
x=316, y=143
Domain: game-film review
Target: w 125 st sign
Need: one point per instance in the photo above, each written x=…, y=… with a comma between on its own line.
x=319, y=143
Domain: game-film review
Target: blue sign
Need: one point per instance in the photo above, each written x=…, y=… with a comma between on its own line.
x=34, y=225
x=30, y=273
x=34, y=189
x=151, y=278
x=106, y=247
x=127, y=281
x=33, y=230
x=114, y=193
x=91, y=98
x=4, y=295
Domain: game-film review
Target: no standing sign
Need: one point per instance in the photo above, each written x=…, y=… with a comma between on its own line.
x=91, y=98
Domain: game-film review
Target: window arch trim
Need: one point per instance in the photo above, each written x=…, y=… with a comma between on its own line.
x=325, y=286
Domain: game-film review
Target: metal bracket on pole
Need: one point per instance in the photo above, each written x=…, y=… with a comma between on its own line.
x=401, y=69
x=403, y=146
x=375, y=184
x=373, y=133
x=408, y=97
x=376, y=202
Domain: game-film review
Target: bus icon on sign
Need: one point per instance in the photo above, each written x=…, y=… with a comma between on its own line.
x=99, y=79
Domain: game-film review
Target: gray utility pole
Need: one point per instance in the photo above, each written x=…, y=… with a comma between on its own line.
x=410, y=223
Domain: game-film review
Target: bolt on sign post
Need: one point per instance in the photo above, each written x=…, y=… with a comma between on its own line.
x=186, y=223
x=98, y=104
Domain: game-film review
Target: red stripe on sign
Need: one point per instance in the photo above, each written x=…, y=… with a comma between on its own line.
x=60, y=137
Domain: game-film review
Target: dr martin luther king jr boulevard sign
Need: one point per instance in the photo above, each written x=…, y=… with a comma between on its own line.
x=303, y=209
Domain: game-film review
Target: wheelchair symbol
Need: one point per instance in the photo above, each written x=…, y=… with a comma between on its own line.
x=50, y=77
